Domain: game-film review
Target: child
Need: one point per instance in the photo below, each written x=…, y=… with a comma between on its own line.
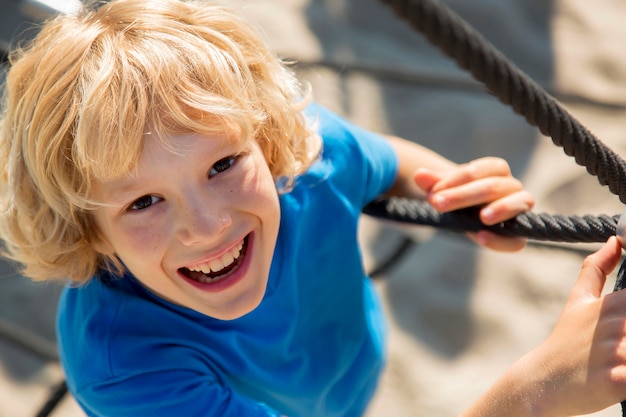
x=159, y=156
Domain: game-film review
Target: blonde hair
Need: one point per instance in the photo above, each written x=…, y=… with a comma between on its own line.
x=80, y=97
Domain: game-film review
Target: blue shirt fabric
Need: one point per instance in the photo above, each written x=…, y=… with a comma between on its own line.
x=313, y=347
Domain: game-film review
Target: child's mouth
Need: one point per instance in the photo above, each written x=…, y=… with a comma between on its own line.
x=218, y=269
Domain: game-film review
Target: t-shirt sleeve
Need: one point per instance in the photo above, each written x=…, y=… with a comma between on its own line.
x=380, y=165
x=364, y=160
x=166, y=394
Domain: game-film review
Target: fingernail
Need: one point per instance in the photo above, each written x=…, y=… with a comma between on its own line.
x=487, y=215
x=440, y=201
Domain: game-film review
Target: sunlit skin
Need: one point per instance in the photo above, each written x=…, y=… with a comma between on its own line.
x=211, y=200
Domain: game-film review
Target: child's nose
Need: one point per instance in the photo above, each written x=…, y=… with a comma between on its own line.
x=200, y=222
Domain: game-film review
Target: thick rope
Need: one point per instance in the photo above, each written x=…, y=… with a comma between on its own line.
x=474, y=53
x=4, y=53
x=537, y=226
x=57, y=395
x=620, y=284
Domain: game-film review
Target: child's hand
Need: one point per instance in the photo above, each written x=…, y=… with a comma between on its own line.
x=485, y=182
x=583, y=362
x=581, y=367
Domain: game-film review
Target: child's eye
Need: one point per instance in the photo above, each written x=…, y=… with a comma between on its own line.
x=222, y=165
x=144, y=202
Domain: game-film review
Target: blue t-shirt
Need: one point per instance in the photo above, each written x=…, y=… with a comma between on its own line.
x=313, y=347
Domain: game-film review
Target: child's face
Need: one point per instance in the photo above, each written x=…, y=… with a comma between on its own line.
x=197, y=227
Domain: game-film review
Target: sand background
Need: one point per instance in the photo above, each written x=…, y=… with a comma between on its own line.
x=458, y=315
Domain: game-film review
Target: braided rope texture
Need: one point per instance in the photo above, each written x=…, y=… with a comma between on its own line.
x=537, y=226
x=473, y=52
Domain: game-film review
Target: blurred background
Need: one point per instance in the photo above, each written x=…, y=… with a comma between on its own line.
x=458, y=315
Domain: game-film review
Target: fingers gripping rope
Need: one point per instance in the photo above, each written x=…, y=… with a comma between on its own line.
x=472, y=52
x=535, y=226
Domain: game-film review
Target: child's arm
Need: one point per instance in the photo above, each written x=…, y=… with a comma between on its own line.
x=447, y=186
x=581, y=367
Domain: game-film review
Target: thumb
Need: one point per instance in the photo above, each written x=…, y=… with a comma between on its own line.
x=426, y=179
x=595, y=268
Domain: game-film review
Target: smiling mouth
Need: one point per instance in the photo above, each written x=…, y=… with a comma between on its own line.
x=218, y=269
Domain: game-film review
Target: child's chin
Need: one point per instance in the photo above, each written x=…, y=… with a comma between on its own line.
x=236, y=309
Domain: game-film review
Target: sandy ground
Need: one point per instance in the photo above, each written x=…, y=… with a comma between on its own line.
x=458, y=314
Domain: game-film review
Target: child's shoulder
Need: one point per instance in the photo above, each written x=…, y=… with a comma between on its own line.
x=85, y=319
x=330, y=125
x=345, y=141
x=360, y=163
x=116, y=323
x=337, y=130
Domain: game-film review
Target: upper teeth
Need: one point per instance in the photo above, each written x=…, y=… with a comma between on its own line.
x=220, y=263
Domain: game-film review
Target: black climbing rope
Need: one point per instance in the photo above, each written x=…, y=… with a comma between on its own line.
x=620, y=284
x=4, y=53
x=473, y=52
x=445, y=29
x=537, y=226
x=58, y=392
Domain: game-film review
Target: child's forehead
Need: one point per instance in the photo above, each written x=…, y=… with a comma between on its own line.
x=180, y=143
x=113, y=154
x=158, y=154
